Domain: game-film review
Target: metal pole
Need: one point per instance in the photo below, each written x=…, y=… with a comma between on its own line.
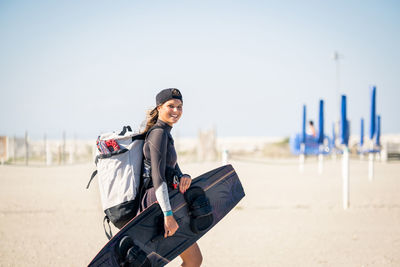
x=336, y=57
x=321, y=159
x=345, y=159
x=302, y=157
x=371, y=162
x=345, y=177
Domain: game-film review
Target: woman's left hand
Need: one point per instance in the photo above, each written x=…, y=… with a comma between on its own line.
x=184, y=183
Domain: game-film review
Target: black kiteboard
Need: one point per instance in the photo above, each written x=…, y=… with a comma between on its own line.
x=141, y=242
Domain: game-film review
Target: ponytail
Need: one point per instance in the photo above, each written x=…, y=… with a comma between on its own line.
x=152, y=117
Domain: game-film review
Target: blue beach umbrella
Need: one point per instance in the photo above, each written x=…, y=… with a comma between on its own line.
x=321, y=122
x=303, y=129
x=343, y=123
x=362, y=133
x=378, y=131
x=373, y=113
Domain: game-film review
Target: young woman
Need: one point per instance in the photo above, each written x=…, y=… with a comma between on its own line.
x=161, y=158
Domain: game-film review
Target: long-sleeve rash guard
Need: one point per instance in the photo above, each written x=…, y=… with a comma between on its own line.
x=159, y=149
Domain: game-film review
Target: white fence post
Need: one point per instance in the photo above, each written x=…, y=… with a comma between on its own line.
x=345, y=177
x=302, y=157
x=225, y=156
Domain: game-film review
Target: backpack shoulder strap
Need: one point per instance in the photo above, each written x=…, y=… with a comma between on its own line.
x=109, y=235
x=91, y=178
x=151, y=129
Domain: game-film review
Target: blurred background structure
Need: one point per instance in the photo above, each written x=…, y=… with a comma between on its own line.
x=23, y=150
x=206, y=148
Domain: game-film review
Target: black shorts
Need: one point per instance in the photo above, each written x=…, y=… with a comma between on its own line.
x=149, y=198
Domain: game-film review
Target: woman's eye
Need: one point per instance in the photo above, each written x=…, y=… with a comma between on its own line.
x=173, y=107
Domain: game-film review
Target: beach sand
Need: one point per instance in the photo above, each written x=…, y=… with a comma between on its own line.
x=48, y=218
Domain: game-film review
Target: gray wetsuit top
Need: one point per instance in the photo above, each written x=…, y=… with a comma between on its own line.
x=159, y=149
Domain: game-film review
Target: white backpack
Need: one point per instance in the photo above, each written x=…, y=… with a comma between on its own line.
x=119, y=170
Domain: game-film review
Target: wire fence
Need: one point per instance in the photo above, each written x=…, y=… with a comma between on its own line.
x=23, y=150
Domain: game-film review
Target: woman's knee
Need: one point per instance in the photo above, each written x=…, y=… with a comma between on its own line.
x=193, y=262
x=197, y=259
x=192, y=256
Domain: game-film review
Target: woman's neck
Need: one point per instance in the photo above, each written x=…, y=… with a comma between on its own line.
x=165, y=122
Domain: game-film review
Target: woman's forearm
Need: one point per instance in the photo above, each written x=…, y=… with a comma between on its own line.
x=163, y=197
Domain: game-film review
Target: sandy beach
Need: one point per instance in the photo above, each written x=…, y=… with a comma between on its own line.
x=48, y=218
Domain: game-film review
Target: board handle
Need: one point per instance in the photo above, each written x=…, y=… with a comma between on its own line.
x=160, y=234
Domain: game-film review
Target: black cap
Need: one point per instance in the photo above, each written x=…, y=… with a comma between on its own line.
x=168, y=94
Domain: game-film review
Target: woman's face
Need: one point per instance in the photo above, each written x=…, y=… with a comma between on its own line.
x=171, y=111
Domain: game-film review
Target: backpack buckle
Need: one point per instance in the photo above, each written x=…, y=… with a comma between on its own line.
x=175, y=182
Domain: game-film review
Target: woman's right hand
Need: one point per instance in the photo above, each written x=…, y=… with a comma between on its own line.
x=170, y=226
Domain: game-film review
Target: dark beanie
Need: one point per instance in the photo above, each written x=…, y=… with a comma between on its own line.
x=168, y=94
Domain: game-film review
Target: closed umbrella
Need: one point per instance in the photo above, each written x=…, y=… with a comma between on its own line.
x=343, y=123
x=321, y=122
x=372, y=130
x=362, y=133
x=303, y=129
x=373, y=113
x=378, y=131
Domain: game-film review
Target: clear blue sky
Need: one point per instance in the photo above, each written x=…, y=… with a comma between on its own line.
x=245, y=67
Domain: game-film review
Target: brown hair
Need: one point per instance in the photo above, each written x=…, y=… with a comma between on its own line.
x=152, y=117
